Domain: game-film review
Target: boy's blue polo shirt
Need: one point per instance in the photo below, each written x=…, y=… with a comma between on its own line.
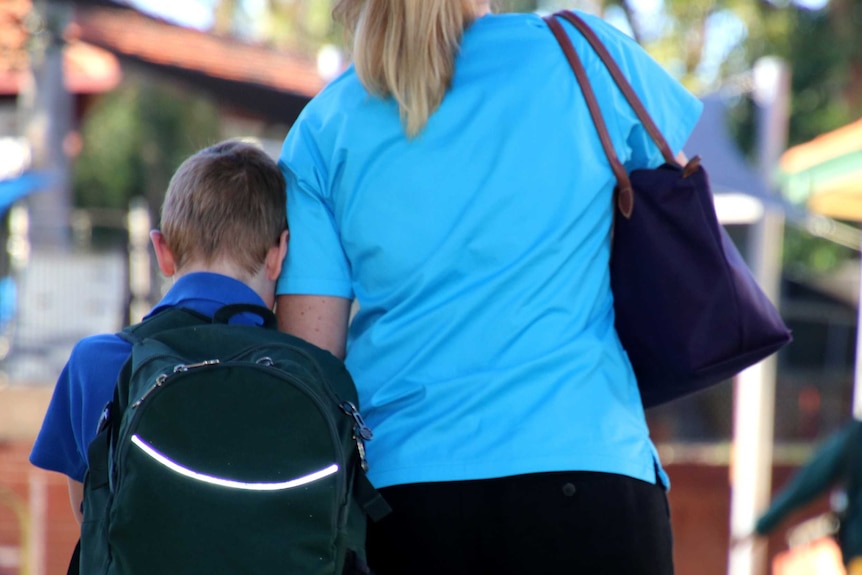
x=484, y=345
x=87, y=382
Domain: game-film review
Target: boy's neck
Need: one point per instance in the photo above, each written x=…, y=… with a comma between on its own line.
x=258, y=282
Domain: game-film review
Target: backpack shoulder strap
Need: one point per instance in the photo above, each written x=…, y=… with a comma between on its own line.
x=371, y=500
x=99, y=450
x=165, y=320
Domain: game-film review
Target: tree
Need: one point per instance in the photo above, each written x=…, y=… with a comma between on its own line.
x=134, y=139
x=301, y=26
x=708, y=43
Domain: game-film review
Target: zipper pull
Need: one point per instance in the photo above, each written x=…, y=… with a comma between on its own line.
x=186, y=367
x=361, y=432
x=363, y=461
x=159, y=382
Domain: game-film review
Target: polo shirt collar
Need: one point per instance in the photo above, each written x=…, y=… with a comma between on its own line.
x=206, y=292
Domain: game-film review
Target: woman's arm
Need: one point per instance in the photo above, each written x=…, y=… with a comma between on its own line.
x=321, y=320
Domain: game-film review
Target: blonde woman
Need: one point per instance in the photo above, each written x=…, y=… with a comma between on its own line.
x=451, y=182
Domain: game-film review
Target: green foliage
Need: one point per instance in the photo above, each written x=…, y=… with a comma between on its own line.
x=820, y=76
x=302, y=26
x=515, y=5
x=134, y=139
x=299, y=26
x=106, y=174
x=805, y=254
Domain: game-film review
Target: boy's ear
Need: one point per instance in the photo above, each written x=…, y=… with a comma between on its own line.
x=163, y=253
x=275, y=256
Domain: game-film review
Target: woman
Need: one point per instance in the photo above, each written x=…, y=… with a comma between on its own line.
x=452, y=182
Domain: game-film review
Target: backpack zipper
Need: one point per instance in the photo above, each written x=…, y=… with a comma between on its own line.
x=249, y=350
x=317, y=371
x=361, y=431
x=160, y=380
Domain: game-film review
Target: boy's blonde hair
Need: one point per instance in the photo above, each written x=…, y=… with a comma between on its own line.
x=406, y=49
x=226, y=202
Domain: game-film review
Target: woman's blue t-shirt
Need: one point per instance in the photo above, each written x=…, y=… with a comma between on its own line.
x=484, y=343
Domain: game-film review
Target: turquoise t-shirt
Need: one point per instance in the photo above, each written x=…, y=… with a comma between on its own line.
x=484, y=344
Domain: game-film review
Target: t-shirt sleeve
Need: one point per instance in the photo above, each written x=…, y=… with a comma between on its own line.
x=84, y=387
x=315, y=263
x=56, y=447
x=672, y=107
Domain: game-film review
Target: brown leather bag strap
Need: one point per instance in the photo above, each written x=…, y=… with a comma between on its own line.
x=625, y=194
x=622, y=82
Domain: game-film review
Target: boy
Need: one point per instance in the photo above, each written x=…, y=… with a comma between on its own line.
x=223, y=238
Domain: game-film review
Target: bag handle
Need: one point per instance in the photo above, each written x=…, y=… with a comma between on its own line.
x=624, y=193
x=623, y=84
x=225, y=313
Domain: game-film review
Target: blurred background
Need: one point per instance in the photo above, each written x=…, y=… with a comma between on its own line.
x=101, y=100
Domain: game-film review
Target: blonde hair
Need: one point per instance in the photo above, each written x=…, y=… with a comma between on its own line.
x=406, y=49
x=227, y=201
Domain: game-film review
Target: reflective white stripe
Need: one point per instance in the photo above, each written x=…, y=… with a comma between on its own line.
x=173, y=466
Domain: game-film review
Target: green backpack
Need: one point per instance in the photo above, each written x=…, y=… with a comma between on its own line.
x=227, y=449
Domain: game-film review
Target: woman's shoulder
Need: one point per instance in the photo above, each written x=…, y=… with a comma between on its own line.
x=343, y=92
x=614, y=39
x=515, y=37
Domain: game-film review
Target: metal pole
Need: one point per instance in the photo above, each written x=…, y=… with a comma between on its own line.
x=140, y=266
x=857, y=367
x=46, y=108
x=753, y=418
x=754, y=389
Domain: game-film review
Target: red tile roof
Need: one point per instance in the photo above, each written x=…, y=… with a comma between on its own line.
x=87, y=69
x=129, y=33
x=12, y=35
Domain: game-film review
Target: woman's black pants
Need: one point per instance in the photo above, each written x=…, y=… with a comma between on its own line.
x=545, y=523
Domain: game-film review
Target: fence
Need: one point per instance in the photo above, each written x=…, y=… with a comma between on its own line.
x=51, y=298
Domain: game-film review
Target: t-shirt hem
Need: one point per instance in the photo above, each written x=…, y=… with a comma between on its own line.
x=77, y=475
x=446, y=471
x=314, y=286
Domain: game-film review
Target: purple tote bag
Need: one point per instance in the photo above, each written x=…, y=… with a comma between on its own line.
x=689, y=313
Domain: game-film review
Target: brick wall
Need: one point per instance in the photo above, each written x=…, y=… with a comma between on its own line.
x=53, y=530
x=700, y=514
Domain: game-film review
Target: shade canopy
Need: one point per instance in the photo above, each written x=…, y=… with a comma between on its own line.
x=14, y=189
x=730, y=171
x=826, y=173
x=740, y=193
